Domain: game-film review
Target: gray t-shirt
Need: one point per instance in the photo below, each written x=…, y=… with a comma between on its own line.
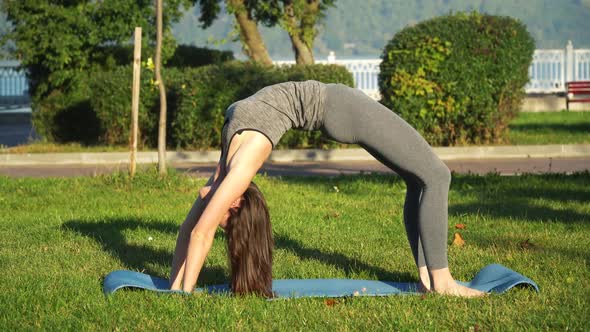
x=275, y=109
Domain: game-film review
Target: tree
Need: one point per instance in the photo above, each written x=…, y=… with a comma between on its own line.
x=247, y=14
x=58, y=40
x=162, y=123
x=299, y=18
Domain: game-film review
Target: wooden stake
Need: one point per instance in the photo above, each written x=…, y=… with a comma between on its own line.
x=135, y=99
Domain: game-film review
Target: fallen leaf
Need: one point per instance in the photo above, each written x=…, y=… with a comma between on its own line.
x=460, y=226
x=332, y=215
x=330, y=302
x=458, y=241
x=526, y=244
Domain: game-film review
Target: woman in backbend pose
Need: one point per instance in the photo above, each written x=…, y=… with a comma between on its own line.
x=252, y=128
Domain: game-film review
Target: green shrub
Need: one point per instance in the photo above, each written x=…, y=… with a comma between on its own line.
x=206, y=92
x=192, y=56
x=66, y=116
x=112, y=56
x=197, y=100
x=110, y=98
x=457, y=79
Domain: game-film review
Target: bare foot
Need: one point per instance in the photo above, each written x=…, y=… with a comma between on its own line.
x=454, y=289
x=424, y=284
x=423, y=288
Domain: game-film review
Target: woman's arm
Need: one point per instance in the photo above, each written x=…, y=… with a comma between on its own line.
x=182, y=241
x=242, y=168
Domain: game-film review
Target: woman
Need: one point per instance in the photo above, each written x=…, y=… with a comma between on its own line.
x=253, y=126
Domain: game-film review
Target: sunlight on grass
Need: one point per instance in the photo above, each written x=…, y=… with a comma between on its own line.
x=550, y=128
x=60, y=237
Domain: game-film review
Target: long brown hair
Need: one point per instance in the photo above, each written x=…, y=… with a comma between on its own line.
x=249, y=245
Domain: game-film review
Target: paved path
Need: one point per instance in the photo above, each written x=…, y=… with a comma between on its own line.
x=323, y=168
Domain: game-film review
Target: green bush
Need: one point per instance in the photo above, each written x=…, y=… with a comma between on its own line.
x=65, y=115
x=112, y=56
x=110, y=99
x=192, y=56
x=206, y=92
x=457, y=79
x=197, y=100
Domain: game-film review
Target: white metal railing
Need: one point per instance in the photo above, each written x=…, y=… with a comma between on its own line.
x=581, y=65
x=365, y=71
x=14, y=87
x=548, y=72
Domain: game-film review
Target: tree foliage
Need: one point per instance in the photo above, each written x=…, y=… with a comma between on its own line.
x=299, y=18
x=59, y=40
x=362, y=28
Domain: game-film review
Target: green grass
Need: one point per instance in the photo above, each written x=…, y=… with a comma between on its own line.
x=60, y=237
x=528, y=128
x=550, y=128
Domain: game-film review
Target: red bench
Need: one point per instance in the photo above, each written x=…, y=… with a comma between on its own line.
x=575, y=90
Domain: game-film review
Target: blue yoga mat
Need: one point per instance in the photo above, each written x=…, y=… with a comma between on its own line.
x=492, y=278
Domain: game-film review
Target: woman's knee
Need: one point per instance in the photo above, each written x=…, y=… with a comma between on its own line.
x=437, y=174
x=441, y=174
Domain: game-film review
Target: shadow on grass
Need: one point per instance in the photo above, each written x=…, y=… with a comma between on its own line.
x=110, y=234
x=574, y=128
x=525, y=198
x=340, y=261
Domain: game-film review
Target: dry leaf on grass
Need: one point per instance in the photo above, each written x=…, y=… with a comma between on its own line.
x=332, y=215
x=458, y=241
x=526, y=244
x=330, y=302
x=460, y=226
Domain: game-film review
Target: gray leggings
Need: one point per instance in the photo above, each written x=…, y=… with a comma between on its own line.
x=353, y=117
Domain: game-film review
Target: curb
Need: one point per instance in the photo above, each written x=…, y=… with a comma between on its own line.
x=445, y=153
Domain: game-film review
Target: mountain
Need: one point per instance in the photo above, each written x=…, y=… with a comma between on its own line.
x=356, y=28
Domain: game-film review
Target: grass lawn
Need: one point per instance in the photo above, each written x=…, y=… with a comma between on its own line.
x=60, y=237
x=527, y=129
x=550, y=128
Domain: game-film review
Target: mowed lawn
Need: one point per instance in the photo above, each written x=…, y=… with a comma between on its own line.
x=526, y=129
x=550, y=128
x=60, y=237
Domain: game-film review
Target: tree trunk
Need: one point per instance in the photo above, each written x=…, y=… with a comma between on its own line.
x=252, y=42
x=303, y=54
x=301, y=29
x=158, y=61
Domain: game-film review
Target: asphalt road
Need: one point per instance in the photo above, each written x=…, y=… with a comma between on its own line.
x=504, y=167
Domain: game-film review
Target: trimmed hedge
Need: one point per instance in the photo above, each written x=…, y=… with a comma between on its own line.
x=192, y=56
x=184, y=56
x=110, y=99
x=458, y=79
x=68, y=115
x=197, y=99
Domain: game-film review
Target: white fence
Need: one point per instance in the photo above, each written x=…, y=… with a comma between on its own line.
x=548, y=72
